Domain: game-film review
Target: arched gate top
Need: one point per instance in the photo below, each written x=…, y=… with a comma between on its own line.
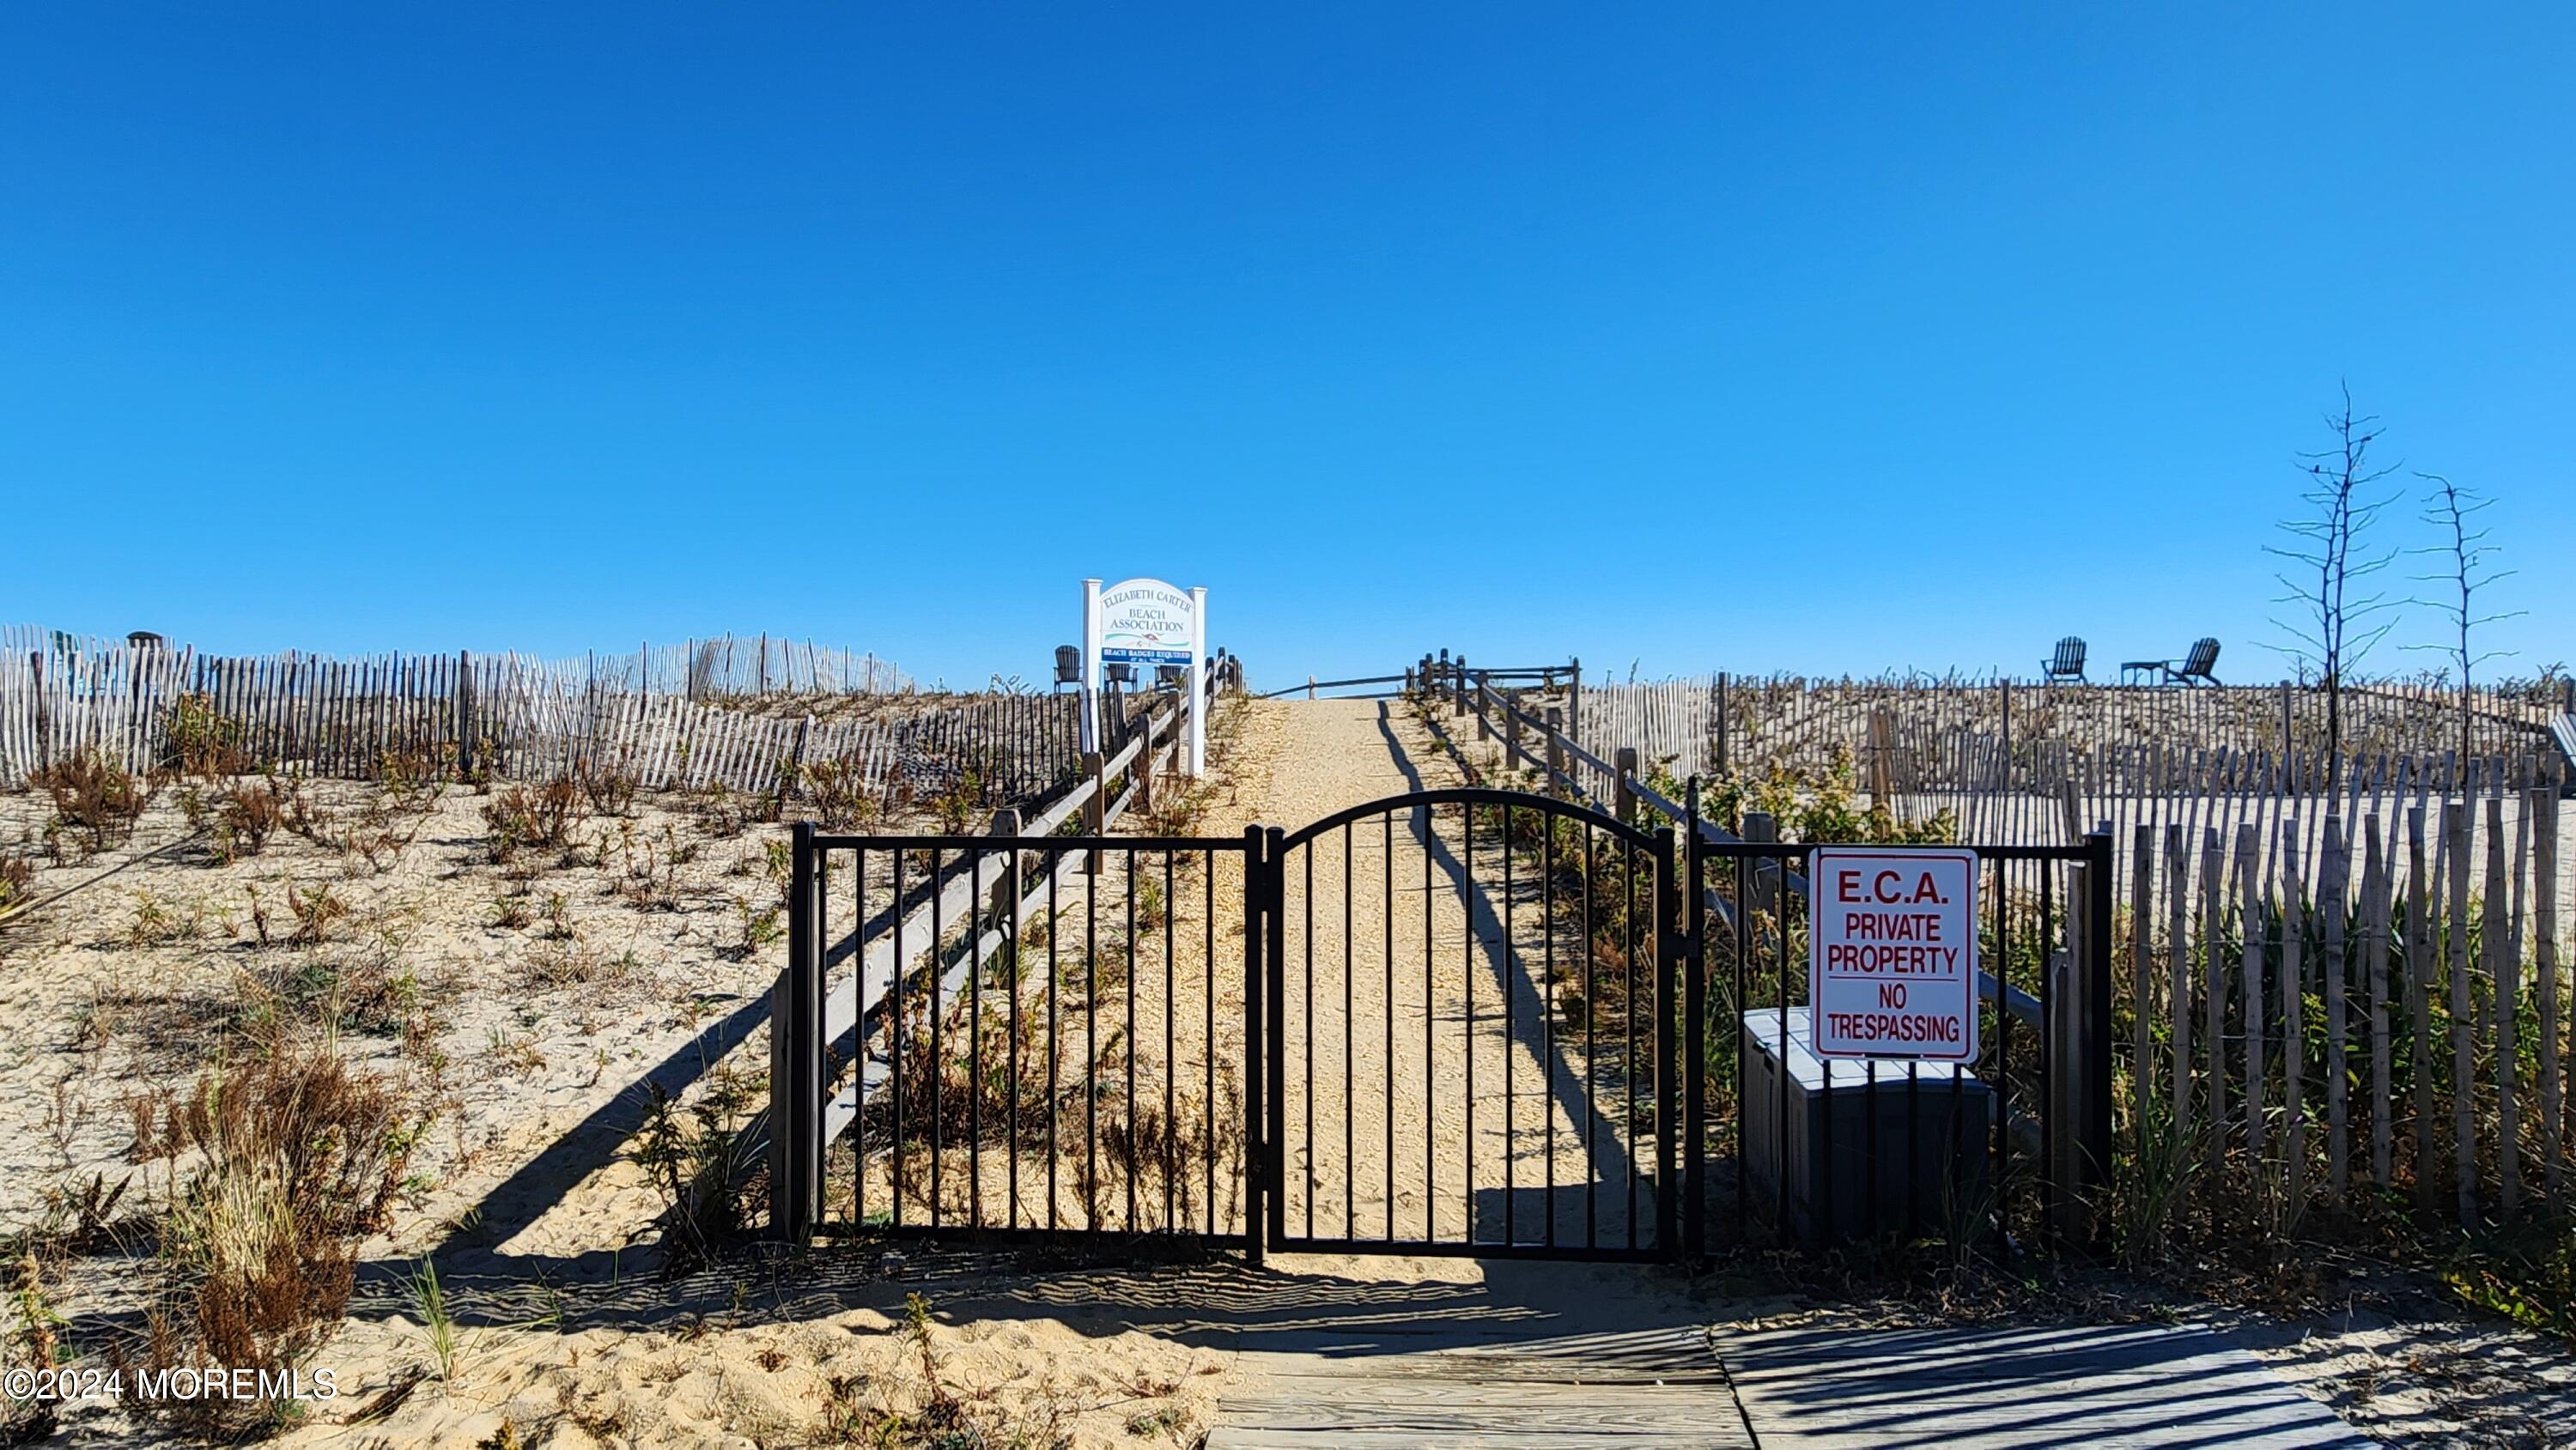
x=1473, y=796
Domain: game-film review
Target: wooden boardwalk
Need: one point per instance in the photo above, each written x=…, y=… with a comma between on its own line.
x=2153, y=1387
x=1642, y=1388
x=2049, y=1388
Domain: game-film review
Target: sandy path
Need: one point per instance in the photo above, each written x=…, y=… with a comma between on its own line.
x=1431, y=1092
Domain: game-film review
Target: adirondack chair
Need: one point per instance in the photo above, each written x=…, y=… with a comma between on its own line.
x=2193, y=669
x=2068, y=665
x=2196, y=666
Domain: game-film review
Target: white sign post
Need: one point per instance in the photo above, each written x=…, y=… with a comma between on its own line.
x=1090, y=731
x=1198, y=684
x=1892, y=958
x=1149, y=624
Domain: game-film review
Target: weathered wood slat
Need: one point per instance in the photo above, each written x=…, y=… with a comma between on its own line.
x=1984, y=1389
x=2455, y=836
x=2331, y=897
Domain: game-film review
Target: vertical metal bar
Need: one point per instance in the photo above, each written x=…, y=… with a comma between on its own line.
x=1913, y=1146
x=1591, y=1052
x=1055, y=1036
x=1694, y=1063
x=1431, y=1116
x=1091, y=1045
x=938, y=1059
x=1274, y=991
x=1127, y=1046
x=1350, y=1068
x=794, y=1216
x=1778, y=898
x=1386, y=863
x=1740, y=943
x=1467, y=954
x=1256, y=1062
x=1010, y=955
x=858, y=1016
x=1306, y=907
x=1668, y=951
x=1828, y=1227
x=1547, y=1016
x=2003, y=1063
x=1207, y=1039
x=894, y=1033
x=1171, y=1063
x=1631, y=940
x=975, y=1047
x=2049, y=1122
x=2095, y=1166
x=1510, y=980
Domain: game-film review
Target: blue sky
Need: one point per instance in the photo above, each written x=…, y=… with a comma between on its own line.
x=1823, y=338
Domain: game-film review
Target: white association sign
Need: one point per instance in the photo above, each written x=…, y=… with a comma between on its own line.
x=1892, y=952
x=1147, y=622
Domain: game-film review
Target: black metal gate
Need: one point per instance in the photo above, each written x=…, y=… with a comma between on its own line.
x=1464, y=1021
x=1789, y=1147
x=1468, y=1030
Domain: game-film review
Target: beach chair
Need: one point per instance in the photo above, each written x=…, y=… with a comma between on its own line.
x=2068, y=665
x=2196, y=666
x=2193, y=669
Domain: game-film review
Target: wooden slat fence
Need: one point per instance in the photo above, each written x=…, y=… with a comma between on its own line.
x=2375, y=1007
x=1951, y=735
x=527, y=719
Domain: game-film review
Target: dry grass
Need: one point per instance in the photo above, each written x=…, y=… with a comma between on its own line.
x=96, y=803
x=296, y=1159
x=537, y=816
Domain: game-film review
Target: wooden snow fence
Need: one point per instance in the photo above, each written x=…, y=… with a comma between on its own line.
x=2366, y=1008
x=667, y=722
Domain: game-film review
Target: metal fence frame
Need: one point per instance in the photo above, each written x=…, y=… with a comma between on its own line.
x=2070, y=1012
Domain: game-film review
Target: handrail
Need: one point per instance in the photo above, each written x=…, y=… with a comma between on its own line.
x=1334, y=685
x=977, y=871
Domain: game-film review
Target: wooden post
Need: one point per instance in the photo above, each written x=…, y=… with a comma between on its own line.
x=2419, y=1010
x=2294, y=1020
x=2142, y=981
x=2331, y=895
x=2289, y=758
x=1721, y=722
x=1881, y=728
x=1484, y=710
x=2178, y=1001
x=1458, y=679
x=796, y=1049
x=1625, y=799
x=1095, y=808
x=2213, y=918
x=2464, y=1145
x=1555, y=751
x=1574, y=702
x=465, y=722
x=795, y=763
x=1759, y=826
x=1513, y=757
x=1005, y=898
x=44, y=716
x=1310, y=687
x=2503, y=969
x=2375, y=917
x=2250, y=989
x=2544, y=924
